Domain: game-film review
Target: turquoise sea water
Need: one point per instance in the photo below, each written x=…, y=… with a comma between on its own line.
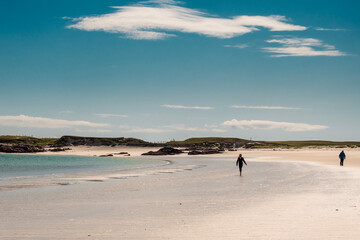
x=29, y=171
x=38, y=165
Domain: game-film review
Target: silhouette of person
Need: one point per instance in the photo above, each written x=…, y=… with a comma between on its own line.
x=342, y=157
x=240, y=162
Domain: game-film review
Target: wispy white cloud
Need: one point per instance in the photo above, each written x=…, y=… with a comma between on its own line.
x=155, y=19
x=136, y=129
x=41, y=122
x=186, y=107
x=241, y=46
x=265, y=107
x=105, y=115
x=171, y=2
x=330, y=29
x=66, y=111
x=302, y=47
x=147, y=130
x=93, y=130
x=172, y=128
x=263, y=124
x=207, y=128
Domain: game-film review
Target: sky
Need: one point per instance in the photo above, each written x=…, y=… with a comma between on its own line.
x=163, y=69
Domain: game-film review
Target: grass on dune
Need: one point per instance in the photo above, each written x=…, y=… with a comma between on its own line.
x=26, y=140
x=201, y=142
x=315, y=143
x=206, y=141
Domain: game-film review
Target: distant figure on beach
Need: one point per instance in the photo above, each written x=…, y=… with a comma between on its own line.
x=342, y=156
x=240, y=162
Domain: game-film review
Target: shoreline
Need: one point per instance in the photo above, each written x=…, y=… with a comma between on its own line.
x=327, y=156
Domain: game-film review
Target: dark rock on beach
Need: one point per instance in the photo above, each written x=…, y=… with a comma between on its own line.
x=164, y=151
x=205, y=151
x=58, y=149
x=232, y=149
x=108, y=155
x=21, y=148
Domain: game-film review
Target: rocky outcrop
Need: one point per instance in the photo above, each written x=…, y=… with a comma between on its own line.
x=205, y=151
x=107, y=155
x=164, y=151
x=93, y=141
x=210, y=142
x=58, y=149
x=21, y=148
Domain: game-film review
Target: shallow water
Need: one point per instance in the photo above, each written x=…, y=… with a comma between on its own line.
x=36, y=165
x=23, y=171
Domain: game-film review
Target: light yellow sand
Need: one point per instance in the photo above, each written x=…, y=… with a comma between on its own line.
x=328, y=156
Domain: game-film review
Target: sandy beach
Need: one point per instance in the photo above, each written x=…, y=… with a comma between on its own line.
x=289, y=194
x=328, y=156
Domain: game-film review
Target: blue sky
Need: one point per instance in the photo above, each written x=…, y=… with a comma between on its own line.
x=158, y=70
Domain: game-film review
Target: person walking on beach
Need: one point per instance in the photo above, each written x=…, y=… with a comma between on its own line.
x=342, y=157
x=240, y=162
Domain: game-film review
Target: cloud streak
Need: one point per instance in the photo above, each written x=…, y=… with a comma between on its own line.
x=264, y=107
x=93, y=131
x=241, y=46
x=105, y=115
x=147, y=130
x=41, y=122
x=66, y=111
x=171, y=128
x=137, y=129
x=160, y=19
x=330, y=29
x=186, y=107
x=270, y=125
x=302, y=47
x=181, y=127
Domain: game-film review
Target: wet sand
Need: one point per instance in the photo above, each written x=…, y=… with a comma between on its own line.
x=280, y=196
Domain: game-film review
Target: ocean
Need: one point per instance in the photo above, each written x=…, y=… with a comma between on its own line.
x=21, y=171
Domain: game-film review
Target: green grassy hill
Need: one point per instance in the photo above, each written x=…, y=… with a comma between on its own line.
x=314, y=143
x=238, y=142
x=95, y=141
x=27, y=140
x=191, y=142
x=208, y=142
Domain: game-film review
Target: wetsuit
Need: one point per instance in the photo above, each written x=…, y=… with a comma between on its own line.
x=240, y=162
